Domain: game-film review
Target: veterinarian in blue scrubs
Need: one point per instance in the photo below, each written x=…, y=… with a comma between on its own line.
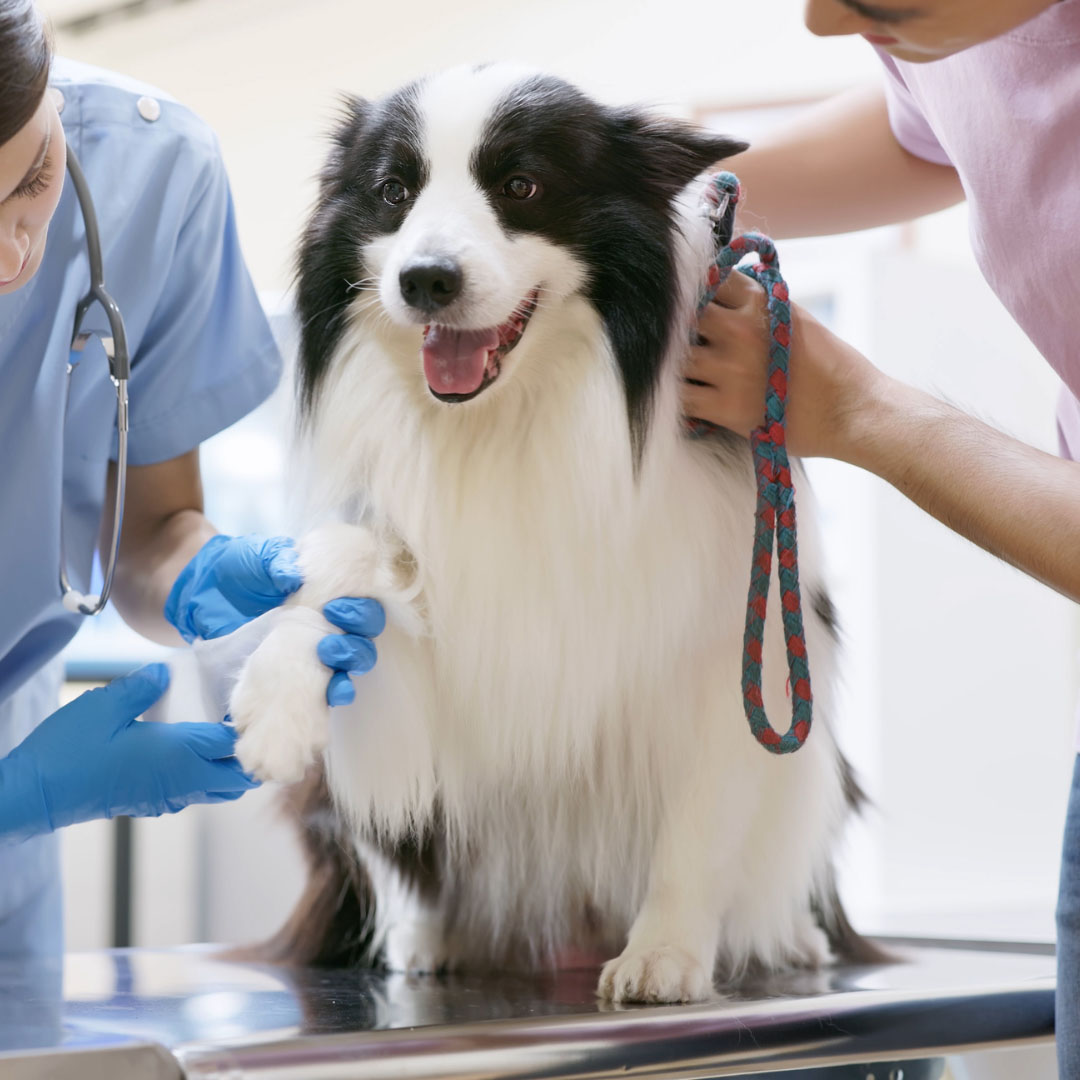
x=202, y=357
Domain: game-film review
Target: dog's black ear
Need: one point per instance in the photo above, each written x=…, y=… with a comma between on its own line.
x=344, y=136
x=669, y=153
x=352, y=120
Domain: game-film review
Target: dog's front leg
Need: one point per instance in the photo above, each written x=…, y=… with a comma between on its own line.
x=671, y=949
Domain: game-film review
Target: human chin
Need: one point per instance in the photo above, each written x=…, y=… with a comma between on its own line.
x=921, y=54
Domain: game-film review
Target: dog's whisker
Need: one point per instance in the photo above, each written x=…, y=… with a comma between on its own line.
x=362, y=285
x=319, y=314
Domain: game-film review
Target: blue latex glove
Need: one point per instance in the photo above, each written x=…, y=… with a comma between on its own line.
x=234, y=579
x=352, y=652
x=93, y=759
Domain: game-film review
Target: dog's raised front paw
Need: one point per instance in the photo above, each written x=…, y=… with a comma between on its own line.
x=277, y=751
x=279, y=704
x=663, y=974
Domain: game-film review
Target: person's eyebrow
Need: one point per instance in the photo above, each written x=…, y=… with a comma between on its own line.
x=882, y=14
x=42, y=154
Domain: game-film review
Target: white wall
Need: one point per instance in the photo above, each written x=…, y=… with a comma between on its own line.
x=961, y=672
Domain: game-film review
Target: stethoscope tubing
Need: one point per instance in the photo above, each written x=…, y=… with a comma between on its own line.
x=116, y=349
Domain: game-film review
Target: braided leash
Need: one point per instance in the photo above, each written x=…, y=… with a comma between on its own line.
x=775, y=514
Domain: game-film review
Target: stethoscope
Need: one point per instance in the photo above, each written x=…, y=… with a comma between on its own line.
x=116, y=349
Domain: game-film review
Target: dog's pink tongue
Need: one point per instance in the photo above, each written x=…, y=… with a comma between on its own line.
x=454, y=360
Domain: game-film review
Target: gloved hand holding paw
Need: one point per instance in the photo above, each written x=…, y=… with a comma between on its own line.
x=234, y=579
x=95, y=759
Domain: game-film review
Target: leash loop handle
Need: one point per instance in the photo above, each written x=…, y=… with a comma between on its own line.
x=774, y=520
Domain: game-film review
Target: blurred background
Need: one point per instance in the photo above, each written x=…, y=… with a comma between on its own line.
x=961, y=675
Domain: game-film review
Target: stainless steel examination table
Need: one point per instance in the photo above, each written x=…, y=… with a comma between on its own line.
x=124, y=1014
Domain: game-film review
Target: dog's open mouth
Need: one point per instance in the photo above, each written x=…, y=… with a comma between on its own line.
x=459, y=364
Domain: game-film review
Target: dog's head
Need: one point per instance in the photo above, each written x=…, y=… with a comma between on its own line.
x=469, y=203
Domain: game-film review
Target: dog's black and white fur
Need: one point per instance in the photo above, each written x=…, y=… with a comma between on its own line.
x=551, y=753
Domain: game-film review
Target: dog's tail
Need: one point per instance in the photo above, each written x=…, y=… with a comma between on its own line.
x=333, y=922
x=846, y=942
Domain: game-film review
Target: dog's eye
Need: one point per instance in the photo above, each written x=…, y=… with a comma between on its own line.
x=520, y=187
x=394, y=192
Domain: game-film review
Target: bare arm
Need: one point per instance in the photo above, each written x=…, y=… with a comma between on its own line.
x=164, y=527
x=1016, y=502
x=839, y=169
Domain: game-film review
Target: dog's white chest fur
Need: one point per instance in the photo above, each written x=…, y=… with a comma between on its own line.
x=568, y=702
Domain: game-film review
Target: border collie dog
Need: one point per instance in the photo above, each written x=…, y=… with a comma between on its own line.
x=496, y=290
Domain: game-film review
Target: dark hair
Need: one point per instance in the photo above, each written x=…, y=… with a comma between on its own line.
x=25, y=57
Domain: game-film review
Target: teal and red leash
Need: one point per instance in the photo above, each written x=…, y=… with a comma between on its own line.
x=774, y=520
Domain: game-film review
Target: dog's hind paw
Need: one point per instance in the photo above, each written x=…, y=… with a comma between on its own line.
x=279, y=703
x=811, y=947
x=660, y=975
x=419, y=948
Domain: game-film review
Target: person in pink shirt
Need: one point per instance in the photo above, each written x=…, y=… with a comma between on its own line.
x=980, y=100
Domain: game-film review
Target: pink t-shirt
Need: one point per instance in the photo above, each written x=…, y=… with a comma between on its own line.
x=1006, y=115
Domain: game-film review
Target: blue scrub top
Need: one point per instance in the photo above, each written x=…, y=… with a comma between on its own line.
x=202, y=357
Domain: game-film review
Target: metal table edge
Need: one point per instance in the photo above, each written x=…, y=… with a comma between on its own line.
x=676, y=1042
x=132, y=1060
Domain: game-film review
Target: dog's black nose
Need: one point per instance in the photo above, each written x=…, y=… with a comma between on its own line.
x=431, y=284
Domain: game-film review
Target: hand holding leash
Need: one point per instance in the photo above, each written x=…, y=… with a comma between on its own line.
x=774, y=518
x=828, y=378
x=234, y=579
